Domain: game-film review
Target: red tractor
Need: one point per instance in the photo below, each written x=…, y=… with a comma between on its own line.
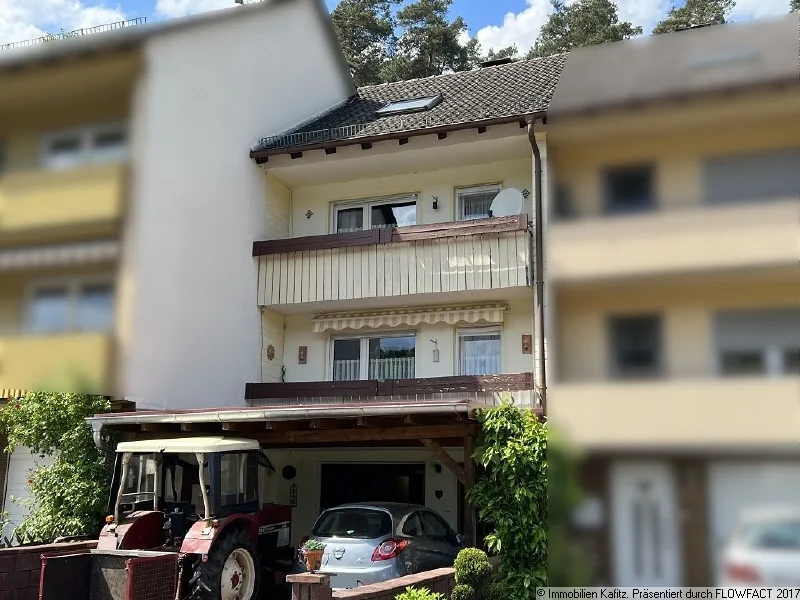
x=199, y=497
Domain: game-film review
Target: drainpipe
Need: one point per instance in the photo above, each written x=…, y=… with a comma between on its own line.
x=538, y=272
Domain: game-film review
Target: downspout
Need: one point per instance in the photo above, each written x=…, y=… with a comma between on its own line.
x=540, y=377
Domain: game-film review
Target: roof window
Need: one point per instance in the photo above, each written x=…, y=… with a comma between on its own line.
x=410, y=105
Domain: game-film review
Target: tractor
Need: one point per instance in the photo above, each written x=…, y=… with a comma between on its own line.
x=195, y=501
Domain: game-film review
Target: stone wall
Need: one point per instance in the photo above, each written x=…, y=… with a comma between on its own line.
x=317, y=586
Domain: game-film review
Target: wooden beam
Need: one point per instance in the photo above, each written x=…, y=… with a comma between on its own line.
x=314, y=436
x=376, y=422
x=284, y=425
x=240, y=426
x=324, y=424
x=159, y=427
x=470, y=525
x=445, y=459
x=200, y=427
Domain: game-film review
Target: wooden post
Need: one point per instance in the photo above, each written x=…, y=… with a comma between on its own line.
x=470, y=526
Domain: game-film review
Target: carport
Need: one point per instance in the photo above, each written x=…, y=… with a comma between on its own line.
x=434, y=425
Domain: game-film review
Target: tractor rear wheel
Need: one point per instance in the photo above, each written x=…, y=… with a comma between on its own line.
x=232, y=571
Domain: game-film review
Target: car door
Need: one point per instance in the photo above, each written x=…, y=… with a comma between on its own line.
x=418, y=556
x=441, y=539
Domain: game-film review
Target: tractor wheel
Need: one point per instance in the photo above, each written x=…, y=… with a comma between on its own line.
x=232, y=571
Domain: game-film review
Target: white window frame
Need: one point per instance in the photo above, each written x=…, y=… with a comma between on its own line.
x=473, y=189
x=367, y=204
x=73, y=287
x=87, y=153
x=463, y=332
x=363, y=367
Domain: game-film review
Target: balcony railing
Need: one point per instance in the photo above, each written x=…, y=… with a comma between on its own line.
x=62, y=35
x=488, y=389
x=379, y=368
x=483, y=254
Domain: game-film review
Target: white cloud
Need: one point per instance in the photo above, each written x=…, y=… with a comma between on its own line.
x=522, y=28
x=180, y=8
x=25, y=19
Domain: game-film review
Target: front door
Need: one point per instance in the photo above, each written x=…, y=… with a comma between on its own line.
x=645, y=528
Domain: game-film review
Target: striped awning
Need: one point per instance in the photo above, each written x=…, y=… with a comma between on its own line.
x=59, y=255
x=6, y=394
x=410, y=317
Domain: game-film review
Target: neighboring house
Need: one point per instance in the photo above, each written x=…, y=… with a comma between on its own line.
x=673, y=287
x=125, y=185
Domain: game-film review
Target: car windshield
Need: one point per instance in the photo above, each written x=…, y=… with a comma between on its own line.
x=777, y=534
x=139, y=480
x=354, y=523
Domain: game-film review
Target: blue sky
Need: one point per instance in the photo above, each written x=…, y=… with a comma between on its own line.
x=497, y=23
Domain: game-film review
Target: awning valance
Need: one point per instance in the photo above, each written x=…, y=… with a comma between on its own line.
x=410, y=317
x=59, y=255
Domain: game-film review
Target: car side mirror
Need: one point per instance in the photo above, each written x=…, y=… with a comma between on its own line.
x=461, y=539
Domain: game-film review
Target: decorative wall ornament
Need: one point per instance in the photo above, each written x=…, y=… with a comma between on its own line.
x=527, y=344
x=525, y=193
x=309, y=213
x=302, y=355
x=270, y=352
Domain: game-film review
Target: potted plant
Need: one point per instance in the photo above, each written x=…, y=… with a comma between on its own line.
x=312, y=554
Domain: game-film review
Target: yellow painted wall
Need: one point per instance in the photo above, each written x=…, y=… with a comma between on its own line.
x=279, y=199
x=677, y=155
x=440, y=183
x=687, y=307
x=272, y=334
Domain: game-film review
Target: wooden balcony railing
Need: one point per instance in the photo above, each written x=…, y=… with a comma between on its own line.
x=488, y=389
x=483, y=254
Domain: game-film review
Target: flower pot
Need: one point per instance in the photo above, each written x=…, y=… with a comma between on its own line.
x=313, y=559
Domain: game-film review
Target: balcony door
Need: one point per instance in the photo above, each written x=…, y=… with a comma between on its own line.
x=384, y=356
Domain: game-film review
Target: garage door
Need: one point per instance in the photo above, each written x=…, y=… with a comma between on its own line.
x=17, y=484
x=734, y=486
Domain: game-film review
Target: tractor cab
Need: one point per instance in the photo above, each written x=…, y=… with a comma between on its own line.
x=200, y=497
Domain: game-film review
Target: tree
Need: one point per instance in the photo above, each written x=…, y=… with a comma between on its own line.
x=366, y=34
x=69, y=496
x=794, y=5
x=584, y=23
x=695, y=12
x=429, y=42
x=507, y=52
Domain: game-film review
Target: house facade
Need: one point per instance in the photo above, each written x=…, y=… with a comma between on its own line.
x=98, y=172
x=672, y=274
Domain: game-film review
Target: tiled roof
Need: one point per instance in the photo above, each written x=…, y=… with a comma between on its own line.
x=507, y=90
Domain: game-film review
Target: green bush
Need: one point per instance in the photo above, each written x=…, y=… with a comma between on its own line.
x=496, y=590
x=472, y=567
x=413, y=593
x=511, y=494
x=462, y=592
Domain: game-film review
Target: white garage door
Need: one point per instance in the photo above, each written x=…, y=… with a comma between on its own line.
x=17, y=484
x=734, y=486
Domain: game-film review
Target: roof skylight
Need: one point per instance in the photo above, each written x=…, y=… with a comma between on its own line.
x=410, y=105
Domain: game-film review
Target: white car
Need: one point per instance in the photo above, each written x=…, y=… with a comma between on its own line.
x=764, y=550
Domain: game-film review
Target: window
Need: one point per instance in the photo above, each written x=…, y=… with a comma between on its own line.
x=564, y=207
x=413, y=525
x=238, y=478
x=475, y=202
x=749, y=177
x=479, y=351
x=354, y=523
x=98, y=144
x=629, y=189
x=376, y=214
x=409, y=105
x=635, y=345
x=791, y=361
x=74, y=306
x=436, y=529
x=742, y=362
x=773, y=534
x=386, y=357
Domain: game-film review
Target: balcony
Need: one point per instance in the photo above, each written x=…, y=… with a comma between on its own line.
x=486, y=389
x=486, y=254
x=50, y=361
x=41, y=199
x=703, y=414
x=673, y=242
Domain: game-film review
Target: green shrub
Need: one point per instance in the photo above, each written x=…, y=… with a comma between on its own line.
x=496, y=590
x=462, y=592
x=413, y=593
x=472, y=567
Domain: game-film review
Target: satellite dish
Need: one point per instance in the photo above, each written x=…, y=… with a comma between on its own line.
x=506, y=203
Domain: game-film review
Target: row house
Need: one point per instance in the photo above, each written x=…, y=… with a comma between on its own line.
x=673, y=289
x=99, y=177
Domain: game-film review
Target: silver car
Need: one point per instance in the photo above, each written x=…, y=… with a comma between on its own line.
x=372, y=542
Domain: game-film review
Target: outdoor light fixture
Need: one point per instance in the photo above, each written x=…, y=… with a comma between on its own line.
x=293, y=495
x=435, y=203
x=435, y=351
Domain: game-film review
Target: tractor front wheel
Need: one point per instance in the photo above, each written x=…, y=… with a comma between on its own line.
x=232, y=571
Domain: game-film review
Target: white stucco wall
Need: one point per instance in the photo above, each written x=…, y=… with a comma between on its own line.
x=190, y=332
x=518, y=321
x=441, y=183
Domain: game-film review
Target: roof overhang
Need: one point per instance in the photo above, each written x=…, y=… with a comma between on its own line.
x=189, y=444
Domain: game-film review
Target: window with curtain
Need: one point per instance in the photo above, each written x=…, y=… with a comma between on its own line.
x=376, y=214
x=475, y=202
x=479, y=352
